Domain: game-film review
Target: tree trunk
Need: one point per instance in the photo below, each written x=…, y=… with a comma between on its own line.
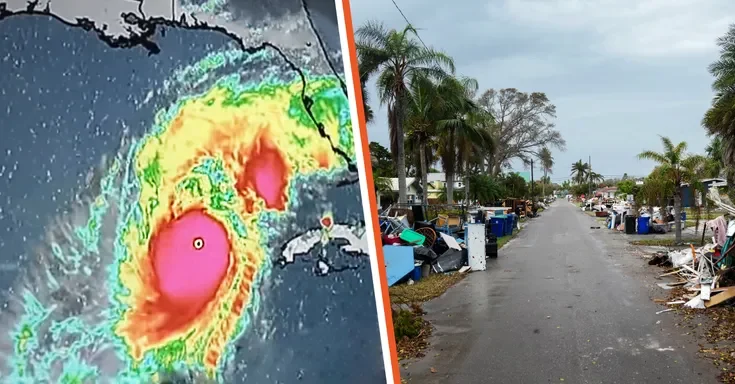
x=401, y=155
x=677, y=215
x=496, y=169
x=450, y=187
x=730, y=177
x=424, y=174
x=467, y=183
x=543, y=185
x=697, y=213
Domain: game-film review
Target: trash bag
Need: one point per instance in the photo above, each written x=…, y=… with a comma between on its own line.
x=451, y=260
x=427, y=255
x=681, y=257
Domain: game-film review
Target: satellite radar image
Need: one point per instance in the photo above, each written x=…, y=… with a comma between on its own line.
x=179, y=196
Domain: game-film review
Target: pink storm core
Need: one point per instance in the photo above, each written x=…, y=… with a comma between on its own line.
x=190, y=258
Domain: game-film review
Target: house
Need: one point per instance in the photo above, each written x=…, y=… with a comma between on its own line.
x=607, y=192
x=689, y=199
x=436, y=181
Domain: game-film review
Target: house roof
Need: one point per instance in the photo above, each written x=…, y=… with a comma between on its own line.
x=715, y=180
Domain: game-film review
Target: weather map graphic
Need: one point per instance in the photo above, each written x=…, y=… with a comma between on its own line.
x=194, y=212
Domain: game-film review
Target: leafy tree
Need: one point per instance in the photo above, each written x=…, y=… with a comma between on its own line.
x=396, y=57
x=524, y=125
x=566, y=185
x=514, y=185
x=626, y=187
x=486, y=189
x=456, y=195
x=674, y=164
x=383, y=160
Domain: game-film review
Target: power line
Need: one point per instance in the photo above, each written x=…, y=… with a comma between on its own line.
x=408, y=22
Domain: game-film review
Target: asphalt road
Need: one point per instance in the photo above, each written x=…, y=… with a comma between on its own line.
x=563, y=303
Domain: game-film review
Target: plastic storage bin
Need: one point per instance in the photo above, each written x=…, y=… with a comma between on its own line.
x=643, y=226
x=497, y=225
x=510, y=224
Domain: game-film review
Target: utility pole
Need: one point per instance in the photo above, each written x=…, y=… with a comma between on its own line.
x=532, y=180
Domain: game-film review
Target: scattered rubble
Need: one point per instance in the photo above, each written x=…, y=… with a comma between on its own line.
x=706, y=274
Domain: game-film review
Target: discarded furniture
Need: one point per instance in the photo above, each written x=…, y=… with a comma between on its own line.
x=398, y=262
x=475, y=240
x=412, y=237
x=429, y=235
x=448, y=224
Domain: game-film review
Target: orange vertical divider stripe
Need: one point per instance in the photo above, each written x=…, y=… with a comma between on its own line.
x=371, y=193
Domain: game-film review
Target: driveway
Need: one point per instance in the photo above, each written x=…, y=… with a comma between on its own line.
x=562, y=303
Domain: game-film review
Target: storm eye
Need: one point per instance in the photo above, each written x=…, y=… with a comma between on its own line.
x=198, y=243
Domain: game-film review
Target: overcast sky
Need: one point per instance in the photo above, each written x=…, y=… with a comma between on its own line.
x=621, y=72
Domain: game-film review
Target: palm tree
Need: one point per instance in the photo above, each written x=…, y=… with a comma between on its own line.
x=579, y=171
x=419, y=125
x=720, y=118
x=673, y=162
x=656, y=189
x=474, y=143
x=715, y=155
x=464, y=129
x=547, y=162
x=395, y=57
x=595, y=177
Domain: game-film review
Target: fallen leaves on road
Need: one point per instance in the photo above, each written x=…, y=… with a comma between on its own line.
x=715, y=328
x=433, y=370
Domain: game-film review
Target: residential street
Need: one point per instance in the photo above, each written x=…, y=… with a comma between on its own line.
x=562, y=303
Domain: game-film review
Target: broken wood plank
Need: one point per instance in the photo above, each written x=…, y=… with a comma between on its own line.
x=676, y=302
x=720, y=298
x=670, y=273
x=690, y=269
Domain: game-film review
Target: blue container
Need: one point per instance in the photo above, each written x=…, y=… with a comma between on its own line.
x=643, y=226
x=510, y=224
x=683, y=215
x=416, y=273
x=497, y=226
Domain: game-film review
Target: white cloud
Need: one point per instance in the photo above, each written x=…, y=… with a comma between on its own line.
x=629, y=28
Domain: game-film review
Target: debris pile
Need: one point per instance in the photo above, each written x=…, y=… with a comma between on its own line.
x=415, y=247
x=707, y=273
